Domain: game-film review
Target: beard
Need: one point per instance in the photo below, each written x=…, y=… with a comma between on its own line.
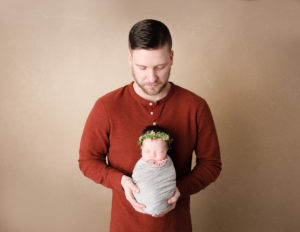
x=151, y=89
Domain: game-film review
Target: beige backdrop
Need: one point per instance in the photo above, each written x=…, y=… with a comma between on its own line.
x=58, y=57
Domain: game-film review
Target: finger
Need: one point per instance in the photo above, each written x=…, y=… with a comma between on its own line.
x=129, y=193
x=140, y=210
x=173, y=200
x=171, y=207
x=127, y=183
x=136, y=204
x=133, y=187
x=165, y=212
x=133, y=201
x=175, y=197
x=130, y=197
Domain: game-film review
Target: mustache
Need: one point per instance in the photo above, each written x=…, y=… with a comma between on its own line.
x=155, y=82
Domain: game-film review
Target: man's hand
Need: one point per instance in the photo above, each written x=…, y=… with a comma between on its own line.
x=172, y=202
x=130, y=187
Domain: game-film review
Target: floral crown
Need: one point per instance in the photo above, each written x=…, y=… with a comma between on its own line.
x=151, y=134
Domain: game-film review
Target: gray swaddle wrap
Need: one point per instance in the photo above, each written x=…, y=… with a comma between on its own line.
x=156, y=183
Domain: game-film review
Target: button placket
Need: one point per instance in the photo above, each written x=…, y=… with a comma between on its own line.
x=153, y=111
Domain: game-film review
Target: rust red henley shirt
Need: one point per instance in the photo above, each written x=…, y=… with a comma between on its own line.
x=112, y=130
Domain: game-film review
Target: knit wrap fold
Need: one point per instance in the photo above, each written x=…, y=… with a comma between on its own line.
x=156, y=183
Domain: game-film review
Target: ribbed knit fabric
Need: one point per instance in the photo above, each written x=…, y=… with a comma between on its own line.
x=112, y=129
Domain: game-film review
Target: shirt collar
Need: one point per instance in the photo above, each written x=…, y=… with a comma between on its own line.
x=147, y=102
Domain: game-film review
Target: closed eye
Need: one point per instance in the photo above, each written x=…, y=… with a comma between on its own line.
x=160, y=67
x=141, y=67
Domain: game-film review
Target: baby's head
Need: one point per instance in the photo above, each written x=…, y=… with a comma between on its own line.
x=155, y=143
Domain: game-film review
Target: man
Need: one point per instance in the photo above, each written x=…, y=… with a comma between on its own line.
x=109, y=150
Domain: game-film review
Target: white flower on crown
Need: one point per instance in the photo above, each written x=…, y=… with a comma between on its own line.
x=152, y=133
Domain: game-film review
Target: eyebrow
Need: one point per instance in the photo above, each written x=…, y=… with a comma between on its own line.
x=154, y=66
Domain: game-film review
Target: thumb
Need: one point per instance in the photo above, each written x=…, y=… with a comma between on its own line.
x=172, y=200
x=175, y=197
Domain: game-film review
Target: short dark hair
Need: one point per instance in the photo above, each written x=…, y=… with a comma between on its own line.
x=155, y=129
x=149, y=34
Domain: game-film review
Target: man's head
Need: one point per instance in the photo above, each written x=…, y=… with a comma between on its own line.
x=150, y=57
x=149, y=34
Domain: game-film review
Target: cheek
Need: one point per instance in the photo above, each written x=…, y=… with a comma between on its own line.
x=163, y=73
x=162, y=155
x=146, y=154
x=147, y=157
x=139, y=73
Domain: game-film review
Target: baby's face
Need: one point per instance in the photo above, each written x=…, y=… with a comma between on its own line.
x=154, y=149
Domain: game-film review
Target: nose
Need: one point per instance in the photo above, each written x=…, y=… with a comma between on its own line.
x=156, y=156
x=153, y=155
x=152, y=76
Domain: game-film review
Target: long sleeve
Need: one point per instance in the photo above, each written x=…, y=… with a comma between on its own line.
x=109, y=149
x=94, y=148
x=208, y=161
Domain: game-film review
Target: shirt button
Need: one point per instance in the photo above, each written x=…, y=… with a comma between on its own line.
x=150, y=103
x=151, y=113
x=154, y=123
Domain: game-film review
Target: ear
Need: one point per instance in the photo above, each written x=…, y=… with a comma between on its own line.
x=171, y=56
x=130, y=57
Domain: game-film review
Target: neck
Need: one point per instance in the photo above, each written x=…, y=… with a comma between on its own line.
x=153, y=98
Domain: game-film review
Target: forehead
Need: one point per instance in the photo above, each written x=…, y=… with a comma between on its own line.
x=151, y=57
x=153, y=143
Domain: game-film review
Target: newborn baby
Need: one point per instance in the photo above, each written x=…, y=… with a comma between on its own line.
x=154, y=173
